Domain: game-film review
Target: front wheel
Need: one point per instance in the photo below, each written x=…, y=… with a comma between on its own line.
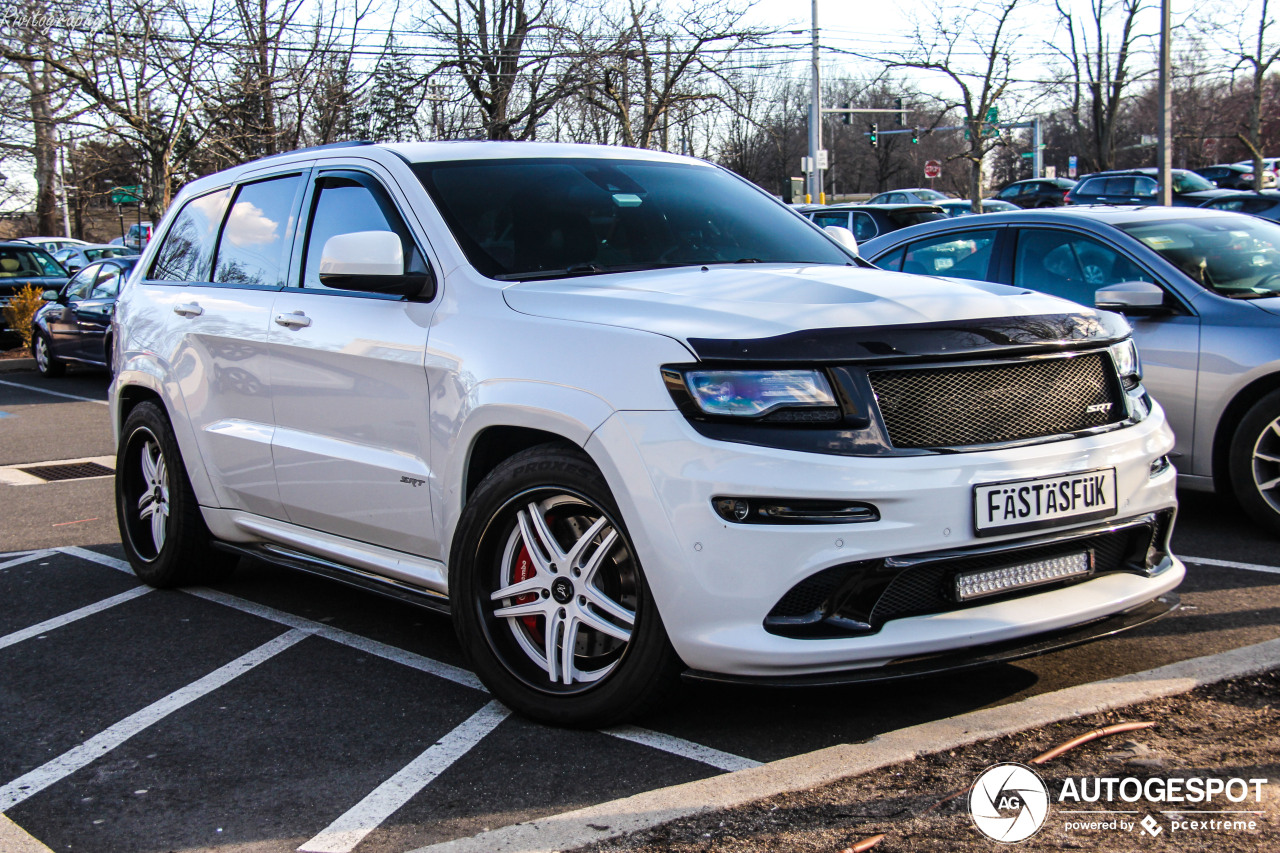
x=549, y=598
x=1255, y=462
x=46, y=363
x=163, y=532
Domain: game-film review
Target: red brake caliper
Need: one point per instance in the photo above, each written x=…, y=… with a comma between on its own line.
x=524, y=571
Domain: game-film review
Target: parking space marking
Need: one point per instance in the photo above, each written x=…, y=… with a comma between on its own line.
x=32, y=783
x=347, y=831
x=74, y=615
x=40, y=390
x=726, y=761
x=1230, y=564
x=20, y=558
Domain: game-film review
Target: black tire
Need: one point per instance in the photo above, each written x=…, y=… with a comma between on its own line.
x=165, y=537
x=42, y=352
x=1254, y=462
x=599, y=585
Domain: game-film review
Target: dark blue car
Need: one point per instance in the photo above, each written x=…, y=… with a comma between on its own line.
x=23, y=264
x=75, y=323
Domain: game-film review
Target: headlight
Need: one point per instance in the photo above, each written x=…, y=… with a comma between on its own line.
x=1125, y=355
x=752, y=393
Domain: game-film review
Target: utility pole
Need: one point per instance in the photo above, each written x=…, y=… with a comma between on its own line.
x=814, y=191
x=1164, y=146
x=1037, y=145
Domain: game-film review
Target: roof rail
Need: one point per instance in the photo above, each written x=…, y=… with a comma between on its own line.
x=349, y=144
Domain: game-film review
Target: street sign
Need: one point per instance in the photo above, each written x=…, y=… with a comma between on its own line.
x=1051, y=172
x=933, y=169
x=822, y=159
x=806, y=165
x=1071, y=166
x=126, y=195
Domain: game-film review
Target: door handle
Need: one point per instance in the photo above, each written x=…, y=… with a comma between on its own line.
x=191, y=309
x=295, y=320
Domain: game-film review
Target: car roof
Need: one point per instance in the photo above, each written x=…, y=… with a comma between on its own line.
x=911, y=207
x=21, y=243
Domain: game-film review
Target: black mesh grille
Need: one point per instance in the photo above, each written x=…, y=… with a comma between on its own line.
x=76, y=471
x=986, y=404
x=928, y=589
x=811, y=593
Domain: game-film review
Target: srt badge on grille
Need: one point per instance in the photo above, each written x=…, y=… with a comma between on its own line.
x=1098, y=407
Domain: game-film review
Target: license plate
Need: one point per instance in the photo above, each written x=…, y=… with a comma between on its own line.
x=1043, y=501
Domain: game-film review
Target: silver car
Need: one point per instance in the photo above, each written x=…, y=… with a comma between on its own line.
x=1202, y=290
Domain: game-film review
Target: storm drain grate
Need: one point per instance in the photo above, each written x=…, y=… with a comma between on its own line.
x=76, y=471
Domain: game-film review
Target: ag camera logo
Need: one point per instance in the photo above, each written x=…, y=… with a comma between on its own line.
x=1008, y=802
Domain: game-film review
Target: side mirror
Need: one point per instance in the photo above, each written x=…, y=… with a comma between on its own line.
x=1131, y=297
x=843, y=236
x=73, y=268
x=50, y=296
x=371, y=261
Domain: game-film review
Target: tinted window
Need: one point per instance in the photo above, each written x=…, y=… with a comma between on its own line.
x=831, y=217
x=108, y=284
x=1069, y=265
x=1146, y=187
x=893, y=260
x=1011, y=192
x=530, y=218
x=915, y=217
x=343, y=206
x=1093, y=186
x=254, y=245
x=187, y=251
x=1237, y=256
x=79, y=285
x=863, y=226
x=16, y=262
x=1189, y=182
x=963, y=254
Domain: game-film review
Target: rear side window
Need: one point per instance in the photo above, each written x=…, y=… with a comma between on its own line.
x=863, y=226
x=187, y=251
x=253, y=249
x=1094, y=186
x=838, y=217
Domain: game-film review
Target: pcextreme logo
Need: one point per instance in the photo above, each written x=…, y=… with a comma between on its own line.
x=1009, y=802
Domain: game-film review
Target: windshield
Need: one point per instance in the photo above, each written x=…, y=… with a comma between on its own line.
x=1236, y=256
x=541, y=218
x=1190, y=182
x=16, y=262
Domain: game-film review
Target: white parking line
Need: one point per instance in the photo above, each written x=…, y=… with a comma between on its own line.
x=726, y=761
x=74, y=615
x=1229, y=564
x=32, y=783
x=19, y=559
x=52, y=393
x=364, y=817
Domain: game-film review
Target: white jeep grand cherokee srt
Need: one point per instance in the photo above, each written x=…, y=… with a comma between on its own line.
x=625, y=417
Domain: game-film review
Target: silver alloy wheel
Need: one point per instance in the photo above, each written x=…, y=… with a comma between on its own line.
x=42, y=353
x=1266, y=464
x=561, y=618
x=153, y=504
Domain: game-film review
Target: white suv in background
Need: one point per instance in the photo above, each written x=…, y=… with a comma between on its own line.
x=625, y=416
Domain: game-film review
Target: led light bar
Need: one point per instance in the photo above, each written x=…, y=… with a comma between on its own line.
x=980, y=584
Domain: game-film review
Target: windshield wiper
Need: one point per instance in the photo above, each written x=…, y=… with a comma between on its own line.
x=582, y=270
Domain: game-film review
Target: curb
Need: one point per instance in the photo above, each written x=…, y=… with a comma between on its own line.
x=14, y=365
x=608, y=820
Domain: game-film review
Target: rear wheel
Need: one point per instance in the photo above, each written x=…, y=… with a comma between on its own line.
x=1255, y=462
x=43, y=353
x=549, y=598
x=164, y=535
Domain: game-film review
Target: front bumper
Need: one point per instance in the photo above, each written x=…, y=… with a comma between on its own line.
x=715, y=582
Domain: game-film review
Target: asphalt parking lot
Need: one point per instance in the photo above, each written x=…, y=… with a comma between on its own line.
x=282, y=712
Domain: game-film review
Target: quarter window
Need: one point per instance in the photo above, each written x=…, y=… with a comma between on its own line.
x=840, y=218
x=862, y=226
x=108, y=283
x=253, y=249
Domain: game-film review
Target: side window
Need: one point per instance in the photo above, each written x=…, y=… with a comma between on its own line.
x=345, y=206
x=1145, y=188
x=1012, y=192
x=1119, y=186
x=1236, y=204
x=187, y=251
x=836, y=217
x=108, y=284
x=893, y=260
x=254, y=245
x=897, y=198
x=862, y=226
x=966, y=254
x=80, y=285
x=1095, y=186
x=1069, y=265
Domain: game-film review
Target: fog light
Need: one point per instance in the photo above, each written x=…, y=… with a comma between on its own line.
x=793, y=511
x=1159, y=466
x=980, y=584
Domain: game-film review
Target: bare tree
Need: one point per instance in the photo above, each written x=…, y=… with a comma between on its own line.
x=1099, y=59
x=1248, y=37
x=973, y=50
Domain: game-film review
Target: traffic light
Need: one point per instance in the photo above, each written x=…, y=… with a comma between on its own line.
x=846, y=118
x=915, y=136
x=902, y=113
x=875, y=135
